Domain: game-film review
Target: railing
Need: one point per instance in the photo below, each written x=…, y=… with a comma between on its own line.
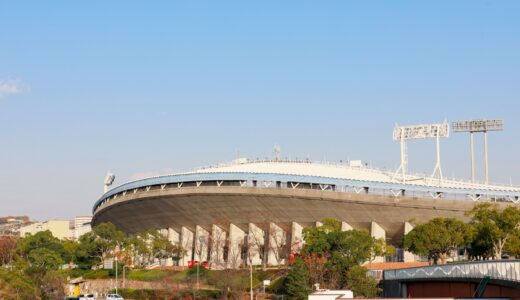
x=508, y=270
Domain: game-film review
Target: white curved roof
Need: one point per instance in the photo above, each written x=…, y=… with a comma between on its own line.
x=341, y=171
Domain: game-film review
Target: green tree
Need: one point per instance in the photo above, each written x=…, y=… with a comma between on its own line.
x=437, y=238
x=361, y=283
x=381, y=248
x=329, y=252
x=163, y=249
x=43, y=259
x=297, y=283
x=512, y=246
x=99, y=244
x=481, y=245
x=138, y=249
x=17, y=285
x=498, y=226
x=42, y=239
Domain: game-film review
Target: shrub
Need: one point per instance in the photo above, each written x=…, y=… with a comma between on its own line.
x=96, y=274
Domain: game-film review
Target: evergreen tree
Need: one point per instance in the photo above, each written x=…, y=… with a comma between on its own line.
x=297, y=282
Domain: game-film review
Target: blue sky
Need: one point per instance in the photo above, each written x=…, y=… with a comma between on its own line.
x=134, y=88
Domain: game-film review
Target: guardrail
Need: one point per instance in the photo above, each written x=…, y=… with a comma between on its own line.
x=508, y=270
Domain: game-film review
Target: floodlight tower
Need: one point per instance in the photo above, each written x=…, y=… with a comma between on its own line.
x=414, y=132
x=473, y=126
x=109, y=179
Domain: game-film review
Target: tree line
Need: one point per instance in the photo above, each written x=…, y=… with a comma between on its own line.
x=33, y=266
x=492, y=233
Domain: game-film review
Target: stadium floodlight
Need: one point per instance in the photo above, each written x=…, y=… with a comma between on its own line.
x=109, y=179
x=473, y=126
x=414, y=132
x=478, y=125
x=421, y=131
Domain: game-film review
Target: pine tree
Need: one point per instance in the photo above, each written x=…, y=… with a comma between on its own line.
x=297, y=281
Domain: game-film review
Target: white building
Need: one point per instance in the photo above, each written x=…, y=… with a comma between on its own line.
x=81, y=226
x=58, y=228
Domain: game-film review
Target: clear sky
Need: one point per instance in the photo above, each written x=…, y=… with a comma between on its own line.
x=141, y=88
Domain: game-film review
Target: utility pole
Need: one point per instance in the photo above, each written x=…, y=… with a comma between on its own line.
x=116, y=274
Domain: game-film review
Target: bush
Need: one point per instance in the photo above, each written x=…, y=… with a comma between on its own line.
x=96, y=274
x=14, y=285
x=145, y=294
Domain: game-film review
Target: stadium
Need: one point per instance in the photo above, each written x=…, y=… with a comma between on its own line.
x=220, y=212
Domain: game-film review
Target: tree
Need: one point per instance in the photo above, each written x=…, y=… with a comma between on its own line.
x=51, y=285
x=381, y=248
x=437, y=238
x=99, y=244
x=162, y=248
x=297, y=283
x=42, y=239
x=361, y=283
x=43, y=259
x=16, y=285
x=329, y=252
x=512, y=246
x=481, y=246
x=496, y=225
x=7, y=247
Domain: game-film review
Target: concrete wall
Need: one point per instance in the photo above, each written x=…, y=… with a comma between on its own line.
x=242, y=216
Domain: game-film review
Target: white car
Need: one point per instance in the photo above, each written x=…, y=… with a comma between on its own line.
x=86, y=297
x=114, y=297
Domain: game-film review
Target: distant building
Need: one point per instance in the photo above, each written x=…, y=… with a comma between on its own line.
x=81, y=225
x=58, y=228
x=10, y=225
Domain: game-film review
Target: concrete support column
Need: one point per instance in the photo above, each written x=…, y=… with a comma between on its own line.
x=318, y=224
x=237, y=241
x=257, y=244
x=408, y=256
x=175, y=238
x=218, y=243
x=377, y=232
x=278, y=245
x=187, y=237
x=201, y=245
x=296, y=237
x=345, y=226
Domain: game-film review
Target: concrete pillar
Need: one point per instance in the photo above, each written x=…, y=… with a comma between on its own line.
x=408, y=256
x=187, y=244
x=318, y=224
x=175, y=238
x=257, y=244
x=296, y=237
x=218, y=243
x=237, y=240
x=345, y=226
x=277, y=245
x=377, y=232
x=202, y=238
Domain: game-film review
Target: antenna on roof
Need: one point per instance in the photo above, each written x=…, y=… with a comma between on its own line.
x=277, y=151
